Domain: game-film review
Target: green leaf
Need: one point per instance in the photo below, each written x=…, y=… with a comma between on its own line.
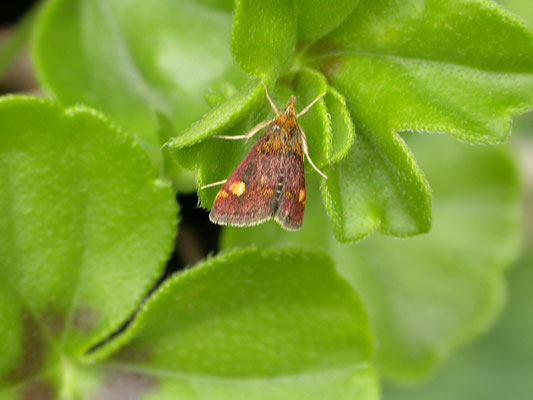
x=498, y=366
x=85, y=231
x=249, y=324
x=132, y=58
x=429, y=294
x=405, y=65
x=329, y=130
x=342, y=127
x=182, y=179
x=377, y=186
x=264, y=37
x=318, y=17
x=223, y=116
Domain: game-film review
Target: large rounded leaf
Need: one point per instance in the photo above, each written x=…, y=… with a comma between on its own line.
x=249, y=324
x=85, y=230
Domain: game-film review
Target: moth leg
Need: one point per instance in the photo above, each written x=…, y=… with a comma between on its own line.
x=310, y=105
x=254, y=130
x=214, y=184
x=306, y=152
x=270, y=100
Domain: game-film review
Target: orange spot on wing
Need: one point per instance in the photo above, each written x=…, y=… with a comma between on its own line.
x=222, y=193
x=301, y=196
x=238, y=188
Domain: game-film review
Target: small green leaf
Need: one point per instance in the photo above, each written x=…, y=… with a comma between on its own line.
x=182, y=179
x=429, y=294
x=134, y=58
x=378, y=186
x=223, y=116
x=264, y=37
x=215, y=159
x=342, y=127
x=327, y=125
x=251, y=324
x=86, y=228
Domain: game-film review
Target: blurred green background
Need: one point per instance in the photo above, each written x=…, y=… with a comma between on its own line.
x=500, y=364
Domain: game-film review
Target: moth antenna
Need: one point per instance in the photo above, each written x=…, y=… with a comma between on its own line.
x=254, y=130
x=213, y=184
x=318, y=153
x=306, y=152
x=310, y=105
x=270, y=100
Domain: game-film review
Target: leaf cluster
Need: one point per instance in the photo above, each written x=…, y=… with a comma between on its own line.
x=138, y=90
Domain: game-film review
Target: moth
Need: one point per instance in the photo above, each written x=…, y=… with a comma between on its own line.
x=270, y=182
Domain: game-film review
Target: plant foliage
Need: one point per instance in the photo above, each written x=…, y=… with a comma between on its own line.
x=138, y=90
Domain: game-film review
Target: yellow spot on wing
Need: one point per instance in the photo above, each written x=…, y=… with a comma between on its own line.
x=222, y=193
x=301, y=196
x=237, y=188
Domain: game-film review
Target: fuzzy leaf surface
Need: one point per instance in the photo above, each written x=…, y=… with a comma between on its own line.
x=86, y=229
x=263, y=39
x=316, y=18
x=406, y=65
x=249, y=324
